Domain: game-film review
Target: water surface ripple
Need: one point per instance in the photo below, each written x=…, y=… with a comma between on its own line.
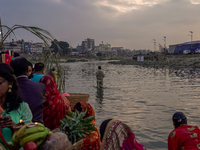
x=144, y=98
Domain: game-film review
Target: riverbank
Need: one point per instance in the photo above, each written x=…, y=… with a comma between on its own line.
x=164, y=61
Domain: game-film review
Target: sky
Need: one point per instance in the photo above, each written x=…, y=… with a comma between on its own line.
x=131, y=24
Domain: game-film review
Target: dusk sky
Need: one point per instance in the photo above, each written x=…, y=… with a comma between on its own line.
x=131, y=24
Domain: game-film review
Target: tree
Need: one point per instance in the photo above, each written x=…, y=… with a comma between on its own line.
x=63, y=45
x=48, y=58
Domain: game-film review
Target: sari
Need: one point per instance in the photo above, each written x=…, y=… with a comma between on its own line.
x=3, y=144
x=184, y=137
x=6, y=58
x=118, y=136
x=92, y=141
x=55, y=106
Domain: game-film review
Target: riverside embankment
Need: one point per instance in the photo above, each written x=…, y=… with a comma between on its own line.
x=164, y=61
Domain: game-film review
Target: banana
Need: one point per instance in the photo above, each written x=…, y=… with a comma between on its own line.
x=28, y=131
x=50, y=133
x=25, y=131
x=34, y=137
x=39, y=142
x=14, y=137
x=39, y=124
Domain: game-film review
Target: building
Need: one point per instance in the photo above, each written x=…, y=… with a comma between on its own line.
x=88, y=45
x=192, y=47
x=103, y=48
x=33, y=47
x=15, y=46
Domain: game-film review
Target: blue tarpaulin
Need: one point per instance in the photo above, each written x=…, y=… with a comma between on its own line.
x=192, y=46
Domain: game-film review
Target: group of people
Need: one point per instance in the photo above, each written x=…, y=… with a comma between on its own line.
x=34, y=97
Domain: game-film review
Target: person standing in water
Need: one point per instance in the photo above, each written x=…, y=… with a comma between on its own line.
x=99, y=77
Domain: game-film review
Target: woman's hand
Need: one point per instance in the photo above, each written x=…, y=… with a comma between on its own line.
x=6, y=122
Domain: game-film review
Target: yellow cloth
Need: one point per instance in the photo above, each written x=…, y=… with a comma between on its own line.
x=55, y=75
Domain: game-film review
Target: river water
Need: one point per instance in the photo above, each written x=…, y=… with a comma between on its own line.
x=144, y=98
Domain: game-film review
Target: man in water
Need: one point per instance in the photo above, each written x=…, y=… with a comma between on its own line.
x=99, y=76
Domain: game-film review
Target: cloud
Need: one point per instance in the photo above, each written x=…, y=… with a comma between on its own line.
x=128, y=23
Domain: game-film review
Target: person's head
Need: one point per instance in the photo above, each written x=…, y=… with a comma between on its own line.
x=103, y=127
x=99, y=67
x=20, y=66
x=82, y=106
x=8, y=88
x=16, y=54
x=39, y=68
x=29, y=73
x=53, y=69
x=50, y=84
x=179, y=119
x=78, y=107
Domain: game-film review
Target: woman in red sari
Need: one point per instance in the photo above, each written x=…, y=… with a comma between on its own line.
x=6, y=58
x=92, y=141
x=183, y=137
x=55, y=107
x=116, y=135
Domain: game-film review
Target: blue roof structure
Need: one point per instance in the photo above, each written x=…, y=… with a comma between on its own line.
x=192, y=46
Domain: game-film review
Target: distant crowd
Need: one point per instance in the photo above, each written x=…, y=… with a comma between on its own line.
x=27, y=93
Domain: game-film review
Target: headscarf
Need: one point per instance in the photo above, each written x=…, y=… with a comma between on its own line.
x=55, y=107
x=119, y=136
x=91, y=142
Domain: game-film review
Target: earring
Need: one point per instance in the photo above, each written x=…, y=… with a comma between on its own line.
x=9, y=88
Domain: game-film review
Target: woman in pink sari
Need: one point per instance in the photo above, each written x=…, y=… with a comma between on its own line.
x=115, y=135
x=55, y=107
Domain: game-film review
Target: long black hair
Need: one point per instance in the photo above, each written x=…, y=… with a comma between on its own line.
x=13, y=99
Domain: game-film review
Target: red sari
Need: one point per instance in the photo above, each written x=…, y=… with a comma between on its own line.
x=6, y=58
x=3, y=144
x=91, y=142
x=185, y=137
x=55, y=107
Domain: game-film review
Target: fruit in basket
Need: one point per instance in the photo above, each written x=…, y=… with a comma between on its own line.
x=30, y=146
x=56, y=141
x=76, y=126
x=30, y=132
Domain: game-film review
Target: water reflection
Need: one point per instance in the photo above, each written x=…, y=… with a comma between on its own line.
x=99, y=95
x=145, y=98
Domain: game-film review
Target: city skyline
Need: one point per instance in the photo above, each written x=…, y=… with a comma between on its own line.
x=132, y=24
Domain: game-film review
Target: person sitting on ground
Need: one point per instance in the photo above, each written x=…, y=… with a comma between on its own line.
x=39, y=72
x=183, y=137
x=13, y=105
x=30, y=91
x=116, y=135
x=29, y=73
x=55, y=106
x=92, y=141
x=99, y=77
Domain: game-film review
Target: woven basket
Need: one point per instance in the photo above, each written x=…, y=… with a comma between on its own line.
x=74, y=98
x=76, y=145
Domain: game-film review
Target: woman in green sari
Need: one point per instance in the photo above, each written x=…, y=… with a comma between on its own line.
x=13, y=105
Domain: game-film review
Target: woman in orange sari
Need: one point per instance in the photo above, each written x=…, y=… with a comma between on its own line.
x=92, y=141
x=55, y=107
